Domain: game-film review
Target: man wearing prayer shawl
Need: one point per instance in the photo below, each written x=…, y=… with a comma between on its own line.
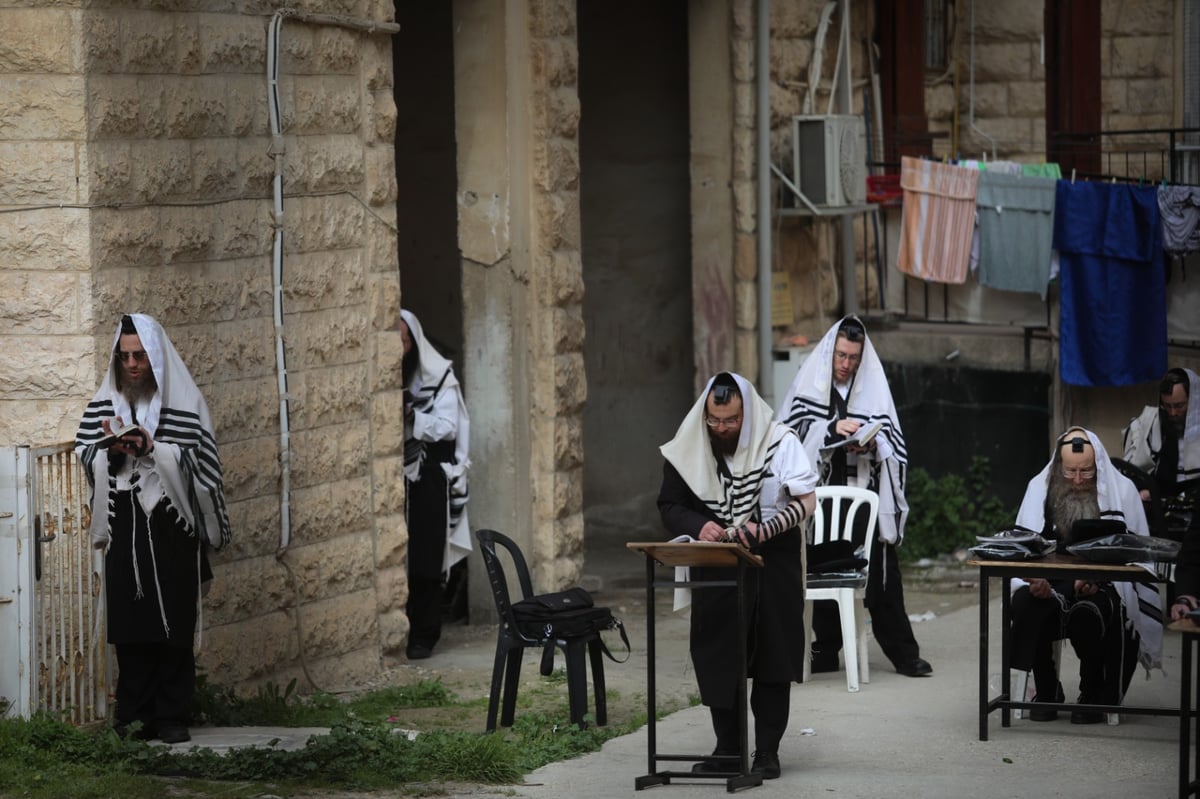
x=839, y=388
x=1112, y=626
x=732, y=474
x=157, y=503
x=436, y=431
x=1165, y=441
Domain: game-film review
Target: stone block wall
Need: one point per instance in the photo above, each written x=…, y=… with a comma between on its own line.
x=154, y=126
x=557, y=292
x=1136, y=72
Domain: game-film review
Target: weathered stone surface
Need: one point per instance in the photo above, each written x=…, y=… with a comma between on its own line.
x=323, y=224
x=562, y=113
x=551, y=18
x=37, y=172
x=745, y=304
x=391, y=589
x=384, y=298
x=1007, y=21
x=570, y=382
x=741, y=53
x=744, y=156
x=554, y=62
x=246, y=588
x=568, y=443
x=325, y=338
x=246, y=111
x=63, y=367
x=337, y=49
x=1142, y=57
x=334, y=508
x=1004, y=61
x=568, y=493
x=1135, y=19
x=333, y=567
x=329, y=395
x=391, y=541
x=556, y=164
x=568, y=329
x=1026, y=98
x=795, y=19
x=251, y=466
x=393, y=633
x=233, y=43
x=38, y=422
x=256, y=646
x=744, y=205
x=254, y=524
x=323, y=280
x=785, y=104
x=388, y=481
x=126, y=107
x=940, y=101
x=44, y=240
x=40, y=302
x=36, y=107
x=339, y=624
x=381, y=115
x=389, y=352
x=148, y=42
x=381, y=187
x=327, y=104
x=340, y=449
x=387, y=431
x=37, y=40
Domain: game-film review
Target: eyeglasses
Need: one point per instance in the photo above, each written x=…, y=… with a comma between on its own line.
x=138, y=356
x=716, y=423
x=847, y=357
x=1083, y=474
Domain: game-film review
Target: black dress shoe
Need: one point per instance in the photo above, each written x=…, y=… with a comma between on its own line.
x=915, y=668
x=713, y=766
x=1087, y=716
x=766, y=764
x=1047, y=714
x=174, y=734
x=418, y=651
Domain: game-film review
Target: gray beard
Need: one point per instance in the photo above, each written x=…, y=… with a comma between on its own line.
x=1067, y=506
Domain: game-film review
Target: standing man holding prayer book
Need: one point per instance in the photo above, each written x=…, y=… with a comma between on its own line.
x=732, y=474
x=839, y=390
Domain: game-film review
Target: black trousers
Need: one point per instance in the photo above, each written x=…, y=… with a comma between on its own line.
x=1107, y=653
x=427, y=520
x=770, y=703
x=155, y=684
x=885, y=603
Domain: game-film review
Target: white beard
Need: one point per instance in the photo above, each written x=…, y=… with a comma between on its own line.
x=1068, y=506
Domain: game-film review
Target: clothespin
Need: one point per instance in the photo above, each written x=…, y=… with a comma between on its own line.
x=1113, y=182
x=1072, y=176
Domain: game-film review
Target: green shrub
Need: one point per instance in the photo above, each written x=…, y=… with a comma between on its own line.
x=947, y=513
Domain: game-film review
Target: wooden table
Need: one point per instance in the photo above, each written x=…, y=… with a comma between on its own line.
x=1056, y=566
x=698, y=554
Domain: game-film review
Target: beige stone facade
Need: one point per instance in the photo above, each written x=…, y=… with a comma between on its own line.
x=136, y=162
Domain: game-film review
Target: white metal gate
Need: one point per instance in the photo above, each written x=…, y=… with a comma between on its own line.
x=52, y=651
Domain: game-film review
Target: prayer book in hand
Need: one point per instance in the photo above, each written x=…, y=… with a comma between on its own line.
x=862, y=437
x=116, y=434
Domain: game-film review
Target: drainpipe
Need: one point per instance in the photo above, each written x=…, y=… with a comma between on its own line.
x=762, y=79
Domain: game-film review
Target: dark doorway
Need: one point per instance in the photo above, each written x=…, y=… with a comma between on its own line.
x=426, y=202
x=635, y=212
x=426, y=173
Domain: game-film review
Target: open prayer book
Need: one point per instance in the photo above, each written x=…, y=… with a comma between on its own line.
x=112, y=437
x=862, y=437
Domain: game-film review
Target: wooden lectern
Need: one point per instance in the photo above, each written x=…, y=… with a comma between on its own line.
x=705, y=555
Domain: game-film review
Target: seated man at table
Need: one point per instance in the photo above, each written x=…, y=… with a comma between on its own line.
x=1112, y=626
x=1187, y=572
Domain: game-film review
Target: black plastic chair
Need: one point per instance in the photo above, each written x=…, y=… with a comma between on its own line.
x=1154, y=505
x=512, y=642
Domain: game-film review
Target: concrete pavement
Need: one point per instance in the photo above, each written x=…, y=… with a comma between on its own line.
x=898, y=736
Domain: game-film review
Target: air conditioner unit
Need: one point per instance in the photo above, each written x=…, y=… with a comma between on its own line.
x=829, y=159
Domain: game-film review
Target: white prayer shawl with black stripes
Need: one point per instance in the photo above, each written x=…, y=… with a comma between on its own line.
x=808, y=407
x=185, y=448
x=1118, y=499
x=733, y=497
x=1143, y=437
x=436, y=395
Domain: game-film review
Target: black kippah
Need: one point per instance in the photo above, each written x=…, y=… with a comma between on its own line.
x=127, y=326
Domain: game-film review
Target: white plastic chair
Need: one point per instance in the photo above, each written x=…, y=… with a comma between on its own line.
x=837, y=524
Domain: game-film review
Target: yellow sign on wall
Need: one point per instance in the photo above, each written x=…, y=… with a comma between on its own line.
x=781, y=299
